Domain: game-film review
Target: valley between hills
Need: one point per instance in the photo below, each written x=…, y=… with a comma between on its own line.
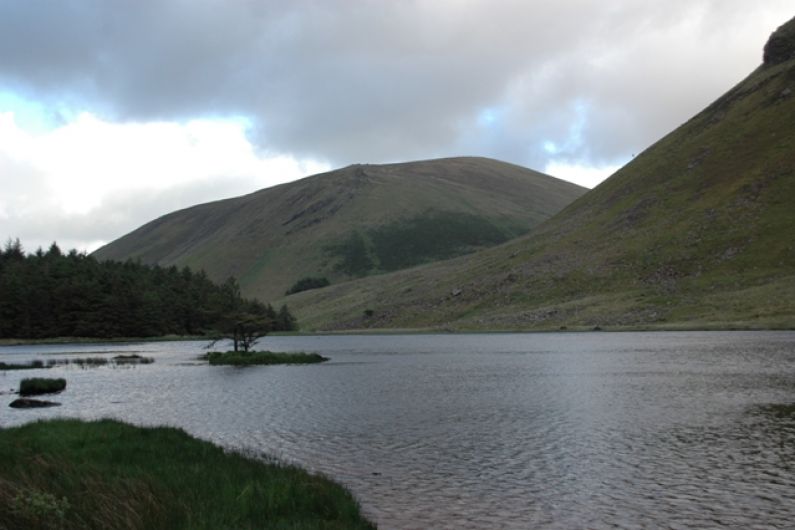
x=694, y=233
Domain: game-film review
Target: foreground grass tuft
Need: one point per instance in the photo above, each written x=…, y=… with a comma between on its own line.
x=262, y=357
x=35, y=386
x=69, y=474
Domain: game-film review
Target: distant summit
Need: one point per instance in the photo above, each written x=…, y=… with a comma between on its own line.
x=360, y=220
x=781, y=45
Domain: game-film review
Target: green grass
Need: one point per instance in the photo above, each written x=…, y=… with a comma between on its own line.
x=262, y=357
x=69, y=474
x=35, y=386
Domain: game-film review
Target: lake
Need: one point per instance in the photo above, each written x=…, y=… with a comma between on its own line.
x=548, y=430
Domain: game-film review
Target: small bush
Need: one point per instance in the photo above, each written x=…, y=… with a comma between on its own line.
x=305, y=284
x=41, y=385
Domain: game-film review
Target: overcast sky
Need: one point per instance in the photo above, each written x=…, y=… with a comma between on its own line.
x=114, y=112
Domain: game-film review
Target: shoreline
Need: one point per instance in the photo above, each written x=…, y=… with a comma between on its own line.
x=405, y=331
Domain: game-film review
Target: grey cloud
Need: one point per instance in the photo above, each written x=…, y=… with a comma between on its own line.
x=347, y=81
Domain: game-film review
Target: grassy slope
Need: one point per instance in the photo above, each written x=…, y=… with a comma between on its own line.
x=695, y=232
x=272, y=238
x=67, y=474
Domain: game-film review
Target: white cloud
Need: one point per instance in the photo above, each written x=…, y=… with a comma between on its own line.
x=580, y=173
x=58, y=184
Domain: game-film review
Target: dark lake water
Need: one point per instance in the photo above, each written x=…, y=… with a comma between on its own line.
x=559, y=430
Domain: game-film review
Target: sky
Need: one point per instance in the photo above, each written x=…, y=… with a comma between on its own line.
x=115, y=112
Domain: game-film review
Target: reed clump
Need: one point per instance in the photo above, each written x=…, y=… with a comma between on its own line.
x=81, y=362
x=35, y=386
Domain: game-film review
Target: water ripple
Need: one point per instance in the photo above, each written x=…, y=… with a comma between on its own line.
x=636, y=430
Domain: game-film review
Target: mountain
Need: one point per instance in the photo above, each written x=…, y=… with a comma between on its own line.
x=352, y=222
x=696, y=232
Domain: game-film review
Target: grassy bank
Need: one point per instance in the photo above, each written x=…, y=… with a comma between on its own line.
x=70, y=474
x=239, y=358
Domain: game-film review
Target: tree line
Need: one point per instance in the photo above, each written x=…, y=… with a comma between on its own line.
x=54, y=294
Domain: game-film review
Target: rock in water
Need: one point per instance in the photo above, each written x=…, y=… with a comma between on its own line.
x=781, y=45
x=27, y=403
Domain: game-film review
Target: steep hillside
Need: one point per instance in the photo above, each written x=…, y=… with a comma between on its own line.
x=697, y=231
x=353, y=222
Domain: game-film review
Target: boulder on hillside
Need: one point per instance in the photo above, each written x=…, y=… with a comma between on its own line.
x=781, y=45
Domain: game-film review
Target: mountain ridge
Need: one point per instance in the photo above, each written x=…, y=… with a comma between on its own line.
x=693, y=232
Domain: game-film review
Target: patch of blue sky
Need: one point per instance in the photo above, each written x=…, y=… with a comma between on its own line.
x=30, y=115
x=489, y=117
x=574, y=140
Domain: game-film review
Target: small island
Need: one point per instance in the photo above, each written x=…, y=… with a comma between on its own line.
x=35, y=386
x=249, y=358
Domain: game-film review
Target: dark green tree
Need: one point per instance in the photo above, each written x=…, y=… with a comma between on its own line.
x=305, y=284
x=285, y=321
x=52, y=294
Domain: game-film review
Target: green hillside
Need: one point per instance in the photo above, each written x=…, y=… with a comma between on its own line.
x=697, y=231
x=356, y=221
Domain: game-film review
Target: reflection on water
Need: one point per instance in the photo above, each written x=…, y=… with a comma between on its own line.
x=591, y=430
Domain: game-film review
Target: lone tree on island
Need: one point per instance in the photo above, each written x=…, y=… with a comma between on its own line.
x=246, y=321
x=247, y=328
x=246, y=324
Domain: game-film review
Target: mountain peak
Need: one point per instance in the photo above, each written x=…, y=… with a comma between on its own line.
x=359, y=220
x=781, y=45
